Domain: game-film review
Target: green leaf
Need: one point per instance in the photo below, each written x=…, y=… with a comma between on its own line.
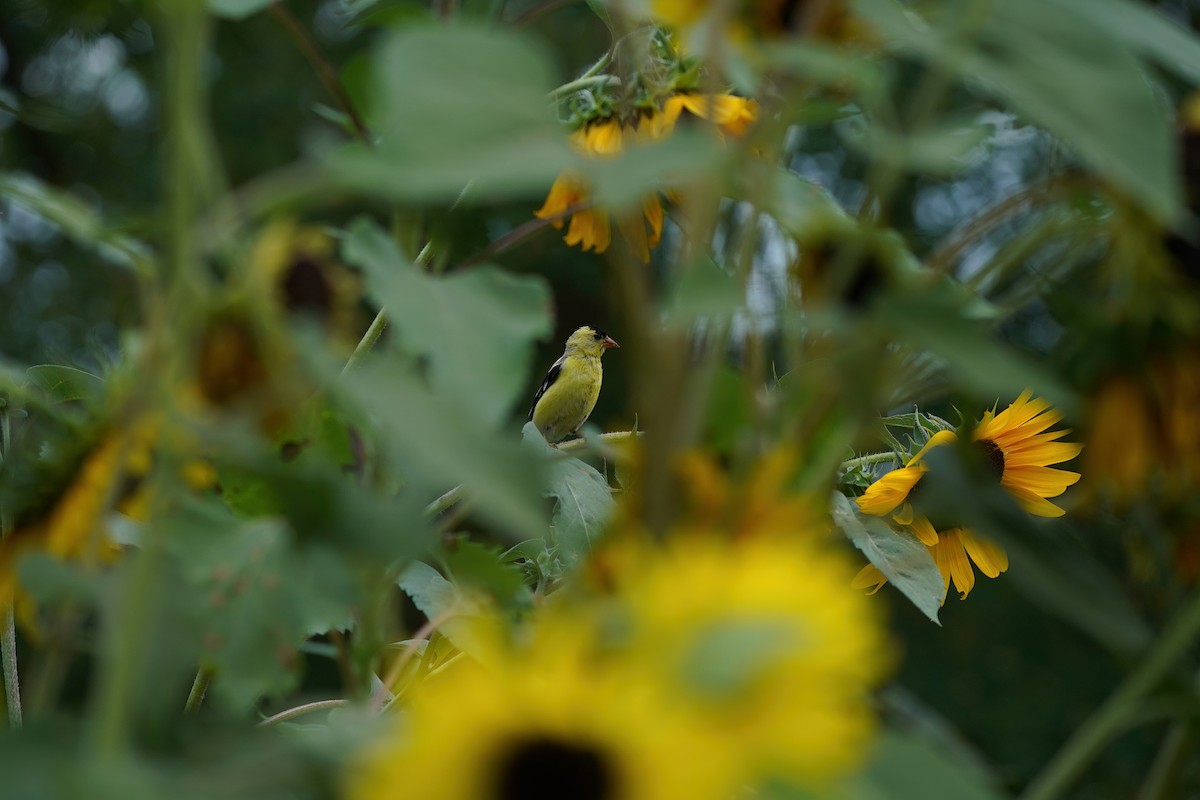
x=440, y=600
x=486, y=568
x=801, y=207
x=435, y=445
x=1146, y=30
x=64, y=384
x=584, y=498
x=940, y=149
x=703, y=291
x=253, y=595
x=237, y=9
x=475, y=327
x=940, y=319
x=622, y=181
x=1063, y=71
x=78, y=221
x=459, y=105
x=907, y=766
x=898, y=555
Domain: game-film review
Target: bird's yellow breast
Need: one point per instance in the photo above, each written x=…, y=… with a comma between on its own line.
x=570, y=399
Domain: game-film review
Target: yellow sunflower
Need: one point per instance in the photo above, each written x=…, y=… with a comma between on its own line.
x=72, y=526
x=591, y=227
x=1144, y=430
x=544, y=720
x=761, y=644
x=1020, y=450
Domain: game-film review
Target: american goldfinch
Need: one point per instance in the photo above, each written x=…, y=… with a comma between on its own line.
x=568, y=394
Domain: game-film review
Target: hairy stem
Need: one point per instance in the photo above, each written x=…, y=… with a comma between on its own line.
x=307, y=708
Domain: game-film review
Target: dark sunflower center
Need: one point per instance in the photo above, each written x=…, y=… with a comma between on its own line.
x=993, y=458
x=306, y=289
x=230, y=363
x=545, y=768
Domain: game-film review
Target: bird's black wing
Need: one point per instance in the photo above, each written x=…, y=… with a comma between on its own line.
x=549, y=380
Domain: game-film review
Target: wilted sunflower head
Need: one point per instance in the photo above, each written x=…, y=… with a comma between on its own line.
x=297, y=268
x=245, y=365
x=830, y=20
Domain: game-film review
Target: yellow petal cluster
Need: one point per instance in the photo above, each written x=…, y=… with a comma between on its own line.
x=1020, y=447
x=590, y=227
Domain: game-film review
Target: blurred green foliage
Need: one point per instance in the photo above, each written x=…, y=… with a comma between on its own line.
x=977, y=197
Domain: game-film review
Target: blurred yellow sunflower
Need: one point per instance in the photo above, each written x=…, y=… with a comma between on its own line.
x=761, y=643
x=72, y=526
x=297, y=268
x=544, y=720
x=1019, y=449
x=591, y=227
x=1143, y=430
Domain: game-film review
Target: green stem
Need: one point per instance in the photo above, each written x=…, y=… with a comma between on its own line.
x=307, y=708
x=204, y=677
x=1097, y=731
x=325, y=71
x=873, y=458
x=8, y=637
x=12, y=681
x=586, y=82
x=1176, y=749
x=187, y=183
x=377, y=326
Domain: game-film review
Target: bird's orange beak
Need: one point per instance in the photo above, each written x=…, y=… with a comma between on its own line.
x=608, y=342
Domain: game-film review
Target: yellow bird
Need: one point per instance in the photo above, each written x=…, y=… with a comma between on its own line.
x=568, y=394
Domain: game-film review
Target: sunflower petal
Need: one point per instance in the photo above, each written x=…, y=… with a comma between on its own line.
x=950, y=547
x=869, y=577
x=987, y=555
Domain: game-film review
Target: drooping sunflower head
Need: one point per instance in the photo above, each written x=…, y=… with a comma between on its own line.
x=243, y=365
x=830, y=20
x=1019, y=449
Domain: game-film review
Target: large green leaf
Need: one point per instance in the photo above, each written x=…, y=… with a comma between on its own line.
x=584, y=498
x=459, y=105
x=475, y=328
x=944, y=320
x=253, y=594
x=1146, y=30
x=904, y=766
x=63, y=384
x=898, y=555
x=442, y=602
x=1061, y=70
x=434, y=444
